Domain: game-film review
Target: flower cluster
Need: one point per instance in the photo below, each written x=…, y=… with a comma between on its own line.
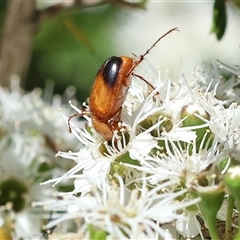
x=168, y=164
x=30, y=134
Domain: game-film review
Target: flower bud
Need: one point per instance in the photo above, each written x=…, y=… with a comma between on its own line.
x=189, y=115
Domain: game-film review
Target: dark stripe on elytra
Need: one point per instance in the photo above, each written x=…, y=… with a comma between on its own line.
x=111, y=69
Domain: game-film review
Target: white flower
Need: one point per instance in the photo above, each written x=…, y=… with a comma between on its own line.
x=171, y=141
x=18, y=185
x=93, y=161
x=15, y=107
x=28, y=112
x=235, y=71
x=226, y=126
x=121, y=216
x=179, y=154
x=30, y=133
x=178, y=163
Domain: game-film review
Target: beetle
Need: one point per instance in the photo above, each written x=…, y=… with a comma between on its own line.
x=109, y=91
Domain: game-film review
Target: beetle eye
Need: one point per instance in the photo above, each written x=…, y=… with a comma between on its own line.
x=110, y=70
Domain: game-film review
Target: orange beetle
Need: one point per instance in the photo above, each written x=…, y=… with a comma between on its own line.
x=110, y=90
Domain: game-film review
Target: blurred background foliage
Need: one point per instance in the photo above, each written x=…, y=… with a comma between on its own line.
x=71, y=44
x=2, y=11
x=70, y=47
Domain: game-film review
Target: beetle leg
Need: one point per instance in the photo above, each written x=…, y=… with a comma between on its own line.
x=114, y=121
x=76, y=115
x=143, y=79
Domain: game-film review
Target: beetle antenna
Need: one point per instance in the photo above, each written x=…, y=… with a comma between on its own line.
x=159, y=39
x=141, y=57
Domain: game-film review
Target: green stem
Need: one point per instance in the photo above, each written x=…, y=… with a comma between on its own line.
x=237, y=236
x=212, y=226
x=230, y=207
x=210, y=203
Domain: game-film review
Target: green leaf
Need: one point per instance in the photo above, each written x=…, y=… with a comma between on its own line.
x=219, y=18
